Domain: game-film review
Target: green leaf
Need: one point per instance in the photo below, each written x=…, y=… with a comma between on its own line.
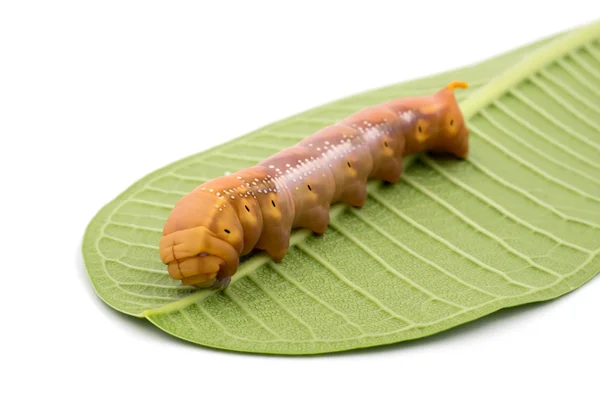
x=517, y=222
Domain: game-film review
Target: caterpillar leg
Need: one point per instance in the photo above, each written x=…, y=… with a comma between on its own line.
x=355, y=195
x=276, y=254
x=320, y=220
x=221, y=283
x=390, y=171
x=315, y=219
x=275, y=243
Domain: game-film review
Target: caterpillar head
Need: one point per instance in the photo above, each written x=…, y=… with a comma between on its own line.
x=453, y=135
x=202, y=239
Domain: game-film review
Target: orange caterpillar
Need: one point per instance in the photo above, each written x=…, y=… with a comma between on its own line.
x=257, y=208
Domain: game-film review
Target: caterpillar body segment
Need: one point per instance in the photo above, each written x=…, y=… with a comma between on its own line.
x=257, y=208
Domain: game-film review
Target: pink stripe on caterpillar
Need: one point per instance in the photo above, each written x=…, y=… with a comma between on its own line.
x=257, y=208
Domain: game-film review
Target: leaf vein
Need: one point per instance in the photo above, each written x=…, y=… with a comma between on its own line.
x=552, y=94
x=556, y=80
x=425, y=260
x=531, y=166
x=545, y=137
x=396, y=273
x=350, y=284
x=478, y=227
x=539, y=110
x=314, y=297
x=502, y=128
x=445, y=242
x=527, y=195
x=252, y=315
x=499, y=208
x=283, y=307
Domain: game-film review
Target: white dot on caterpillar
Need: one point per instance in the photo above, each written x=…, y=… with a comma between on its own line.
x=326, y=142
x=239, y=178
x=287, y=165
x=220, y=209
x=310, y=144
x=218, y=194
x=271, y=166
x=211, y=190
x=319, y=149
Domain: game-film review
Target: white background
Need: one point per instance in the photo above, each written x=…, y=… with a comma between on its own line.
x=94, y=95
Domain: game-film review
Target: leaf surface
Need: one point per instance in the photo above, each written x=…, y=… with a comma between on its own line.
x=517, y=222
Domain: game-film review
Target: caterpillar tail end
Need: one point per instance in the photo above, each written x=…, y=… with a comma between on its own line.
x=457, y=84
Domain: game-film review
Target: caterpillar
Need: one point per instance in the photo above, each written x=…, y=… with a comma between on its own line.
x=256, y=208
